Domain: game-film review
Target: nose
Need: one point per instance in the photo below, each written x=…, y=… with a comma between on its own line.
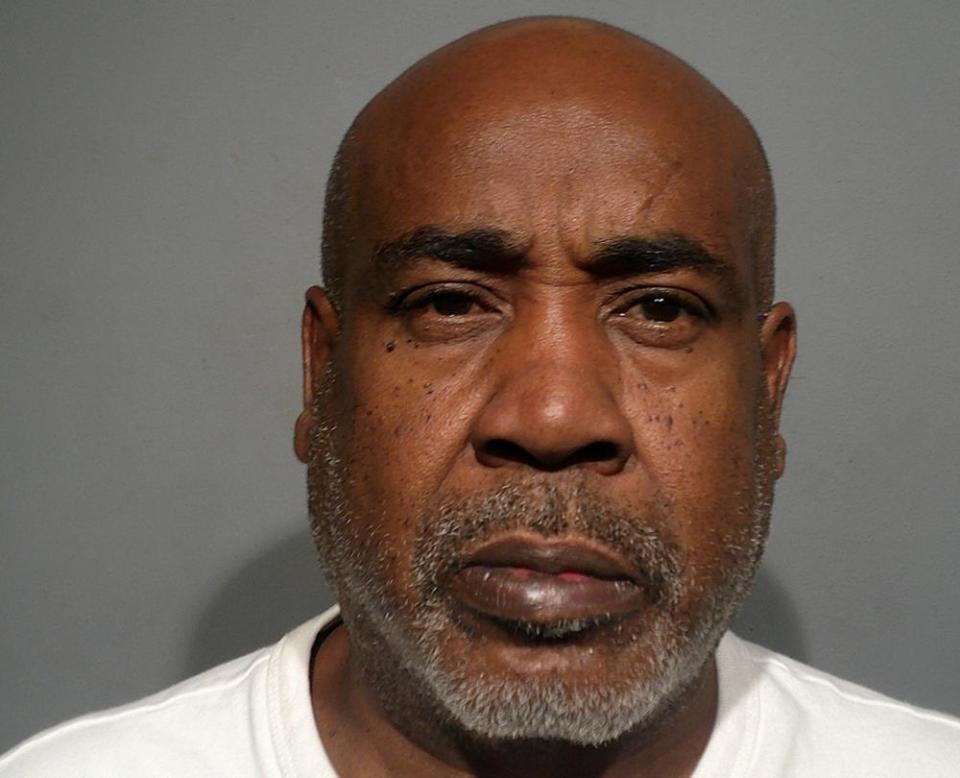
x=554, y=406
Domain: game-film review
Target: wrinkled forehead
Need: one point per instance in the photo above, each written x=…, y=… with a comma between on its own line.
x=565, y=155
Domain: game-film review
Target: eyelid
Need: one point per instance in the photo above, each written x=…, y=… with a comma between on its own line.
x=689, y=301
x=400, y=300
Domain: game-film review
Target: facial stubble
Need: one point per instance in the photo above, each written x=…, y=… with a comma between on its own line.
x=408, y=641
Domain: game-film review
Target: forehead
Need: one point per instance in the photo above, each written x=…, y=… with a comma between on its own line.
x=564, y=167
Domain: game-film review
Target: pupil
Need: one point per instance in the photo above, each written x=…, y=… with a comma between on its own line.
x=660, y=309
x=452, y=304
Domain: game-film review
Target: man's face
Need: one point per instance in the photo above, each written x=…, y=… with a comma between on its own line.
x=544, y=452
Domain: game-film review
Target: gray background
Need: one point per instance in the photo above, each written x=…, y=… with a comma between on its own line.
x=162, y=166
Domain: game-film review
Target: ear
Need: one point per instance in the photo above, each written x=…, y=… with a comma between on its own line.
x=319, y=330
x=778, y=343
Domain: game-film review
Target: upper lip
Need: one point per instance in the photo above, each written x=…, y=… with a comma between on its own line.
x=549, y=555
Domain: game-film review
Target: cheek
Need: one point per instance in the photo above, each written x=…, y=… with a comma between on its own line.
x=402, y=428
x=697, y=438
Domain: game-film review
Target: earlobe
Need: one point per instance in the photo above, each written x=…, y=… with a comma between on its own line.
x=778, y=340
x=318, y=334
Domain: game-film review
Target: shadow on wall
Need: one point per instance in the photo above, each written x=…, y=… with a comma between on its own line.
x=769, y=618
x=283, y=587
x=270, y=595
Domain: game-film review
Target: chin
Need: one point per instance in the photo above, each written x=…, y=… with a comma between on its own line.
x=588, y=688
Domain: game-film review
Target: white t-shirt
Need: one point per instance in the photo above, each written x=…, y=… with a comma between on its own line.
x=253, y=717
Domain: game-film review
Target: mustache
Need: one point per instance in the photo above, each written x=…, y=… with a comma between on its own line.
x=445, y=534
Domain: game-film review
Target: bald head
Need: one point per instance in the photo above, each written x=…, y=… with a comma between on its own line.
x=562, y=95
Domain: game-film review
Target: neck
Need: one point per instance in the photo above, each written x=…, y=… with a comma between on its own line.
x=366, y=735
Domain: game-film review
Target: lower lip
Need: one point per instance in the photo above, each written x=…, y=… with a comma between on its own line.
x=525, y=595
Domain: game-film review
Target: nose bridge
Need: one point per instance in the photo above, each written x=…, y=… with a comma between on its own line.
x=556, y=396
x=562, y=351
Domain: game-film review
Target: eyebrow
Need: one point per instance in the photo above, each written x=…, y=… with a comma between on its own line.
x=484, y=249
x=498, y=251
x=631, y=255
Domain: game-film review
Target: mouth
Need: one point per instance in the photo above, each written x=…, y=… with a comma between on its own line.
x=548, y=588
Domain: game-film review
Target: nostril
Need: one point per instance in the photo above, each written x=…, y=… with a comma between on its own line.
x=500, y=451
x=598, y=451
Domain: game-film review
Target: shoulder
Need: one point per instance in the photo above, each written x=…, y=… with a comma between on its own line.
x=856, y=730
x=247, y=717
x=159, y=734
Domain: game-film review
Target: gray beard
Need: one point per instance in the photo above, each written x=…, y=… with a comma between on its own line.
x=404, y=659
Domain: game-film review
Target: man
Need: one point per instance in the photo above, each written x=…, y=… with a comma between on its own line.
x=542, y=391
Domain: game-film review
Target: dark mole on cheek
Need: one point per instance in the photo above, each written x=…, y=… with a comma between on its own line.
x=689, y=349
x=390, y=346
x=668, y=420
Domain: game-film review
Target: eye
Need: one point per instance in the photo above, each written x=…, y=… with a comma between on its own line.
x=450, y=303
x=666, y=318
x=448, y=312
x=660, y=308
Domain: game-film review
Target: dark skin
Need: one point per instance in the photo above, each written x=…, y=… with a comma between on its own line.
x=553, y=269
